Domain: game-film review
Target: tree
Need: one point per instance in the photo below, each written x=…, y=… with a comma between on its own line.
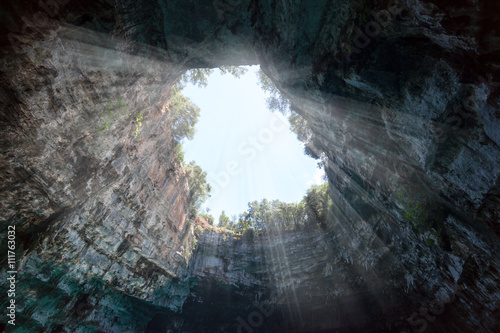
x=287, y=216
x=184, y=115
x=235, y=71
x=234, y=220
x=195, y=76
x=300, y=127
x=224, y=221
x=199, y=76
x=199, y=189
x=314, y=210
x=298, y=216
x=178, y=153
x=276, y=101
x=259, y=214
x=244, y=223
x=318, y=206
x=209, y=218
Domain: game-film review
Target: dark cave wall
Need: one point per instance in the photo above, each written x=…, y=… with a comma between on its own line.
x=406, y=119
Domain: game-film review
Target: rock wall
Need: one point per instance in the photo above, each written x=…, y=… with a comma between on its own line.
x=92, y=183
x=401, y=96
x=317, y=281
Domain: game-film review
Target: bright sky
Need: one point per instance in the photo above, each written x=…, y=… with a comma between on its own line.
x=248, y=152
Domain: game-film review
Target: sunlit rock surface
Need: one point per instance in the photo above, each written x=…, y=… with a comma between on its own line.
x=405, y=117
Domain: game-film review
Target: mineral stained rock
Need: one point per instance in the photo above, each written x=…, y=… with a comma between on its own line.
x=403, y=101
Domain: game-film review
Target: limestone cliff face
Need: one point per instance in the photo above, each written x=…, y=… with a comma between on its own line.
x=402, y=98
x=322, y=281
x=91, y=181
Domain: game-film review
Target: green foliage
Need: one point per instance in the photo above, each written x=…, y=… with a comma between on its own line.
x=224, y=221
x=414, y=210
x=209, y=218
x=199, y=76
x=426, y=218
x=195, y=76
x=313, y=211
x=300, y=127
x=235, y=71
x=227, y=224
x=298, y=124
x=199, y=189
x=318, y=205
x=276, y=101
x=138, y=125
x=184, y=115
x=113, y=109
x=248, y=234
x=179, y=154
x=198, y=229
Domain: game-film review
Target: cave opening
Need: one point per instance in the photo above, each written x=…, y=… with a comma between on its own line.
x=248, y=141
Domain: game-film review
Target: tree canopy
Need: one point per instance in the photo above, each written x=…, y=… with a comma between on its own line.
x=199, y=188
x=224, y=221
x=313, y=211
x=184, y=115
x=276, y=101
x=209, y=218
x=300, y=127
x=199, y=76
